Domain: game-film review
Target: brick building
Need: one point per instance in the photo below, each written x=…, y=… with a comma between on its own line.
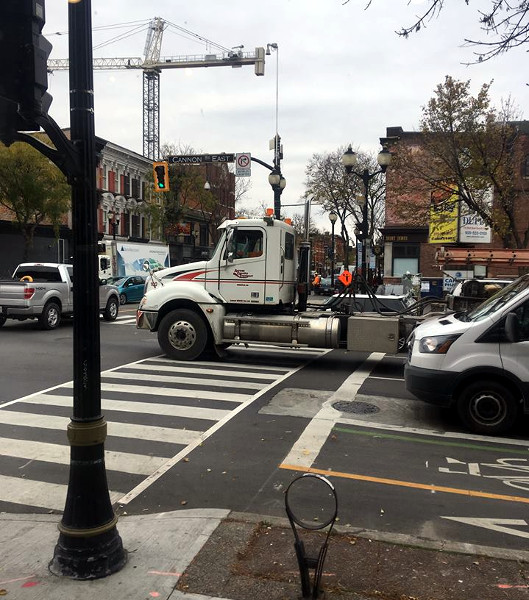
x=406, y=240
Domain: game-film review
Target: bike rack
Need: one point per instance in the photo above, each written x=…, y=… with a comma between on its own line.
x=308, y=498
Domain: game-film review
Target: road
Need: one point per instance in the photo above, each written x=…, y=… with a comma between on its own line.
x=234, y=433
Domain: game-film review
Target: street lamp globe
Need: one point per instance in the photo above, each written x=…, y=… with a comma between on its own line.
x=349, y=159
x=384, y=159
x=282, y=182
x=274, y=178
x=333, y=217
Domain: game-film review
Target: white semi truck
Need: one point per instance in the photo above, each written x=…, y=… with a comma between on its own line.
x=254, y=289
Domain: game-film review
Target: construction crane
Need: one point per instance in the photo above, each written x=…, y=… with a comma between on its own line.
x=152, y=65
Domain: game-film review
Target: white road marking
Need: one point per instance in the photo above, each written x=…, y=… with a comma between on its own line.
x=166, y=410
x=175, y=367
x=36, y=493
x=189, y=380
x=499, y=525
x=125, y=462
x=306, y=449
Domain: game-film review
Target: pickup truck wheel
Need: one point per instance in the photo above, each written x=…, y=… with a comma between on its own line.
x=487, y=407
x=51, y=316
x=111, y=310
x=122, y=299
x=183, y=335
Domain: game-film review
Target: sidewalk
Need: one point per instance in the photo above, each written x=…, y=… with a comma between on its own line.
x=201, y=554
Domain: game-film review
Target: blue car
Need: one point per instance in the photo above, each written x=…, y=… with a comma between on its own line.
x=130, y=288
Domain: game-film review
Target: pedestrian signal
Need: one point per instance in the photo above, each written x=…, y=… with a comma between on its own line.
x=161, y=176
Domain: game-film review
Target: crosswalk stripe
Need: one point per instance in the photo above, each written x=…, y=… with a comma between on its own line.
x=166, y=410
x=125, y=462
x=189, y=380
x=172, y=392
x=121, y=430
x=176, y=368
x=17, y=490
x=124, y=321
x=224, y=366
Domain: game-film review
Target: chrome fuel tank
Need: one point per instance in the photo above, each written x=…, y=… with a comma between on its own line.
x=316, y=330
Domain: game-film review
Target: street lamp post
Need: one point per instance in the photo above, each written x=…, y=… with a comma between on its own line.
x=349, y=160
x=278, y=183
x=332, y=218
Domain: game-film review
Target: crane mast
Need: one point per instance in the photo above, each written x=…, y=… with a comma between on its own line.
x=152, y=64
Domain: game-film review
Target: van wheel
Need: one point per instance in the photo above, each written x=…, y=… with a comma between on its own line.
x=487, y=407
x=111, y=310
x=51, y=316
x=183, y=335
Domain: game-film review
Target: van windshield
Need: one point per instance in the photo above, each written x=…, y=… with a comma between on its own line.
x=498, y=301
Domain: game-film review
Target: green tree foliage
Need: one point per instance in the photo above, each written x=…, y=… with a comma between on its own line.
x=468, y=145
x=32, y=189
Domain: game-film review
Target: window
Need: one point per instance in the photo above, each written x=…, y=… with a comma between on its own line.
x=405, y=258
x=289, y=246
x=525, y=166
x=247, y=243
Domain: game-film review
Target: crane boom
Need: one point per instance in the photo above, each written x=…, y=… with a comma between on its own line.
x=153, y=64
x=230, y=59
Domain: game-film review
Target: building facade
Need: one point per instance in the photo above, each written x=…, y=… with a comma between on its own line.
x=407, y=242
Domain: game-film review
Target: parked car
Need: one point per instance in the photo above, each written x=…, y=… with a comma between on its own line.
x=324, y=288
x=130, y=288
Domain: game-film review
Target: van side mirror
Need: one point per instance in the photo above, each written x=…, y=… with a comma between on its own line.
x=512, y=327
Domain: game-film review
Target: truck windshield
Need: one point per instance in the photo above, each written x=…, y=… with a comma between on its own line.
x=499, y=300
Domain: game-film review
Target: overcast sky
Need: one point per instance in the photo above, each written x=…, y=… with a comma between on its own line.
x=344, y=76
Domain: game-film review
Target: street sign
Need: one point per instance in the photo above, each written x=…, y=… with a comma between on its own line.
x=243, y=164
x=345, y=278
x=197, y=159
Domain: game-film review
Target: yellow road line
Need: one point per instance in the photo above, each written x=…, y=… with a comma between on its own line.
x=409, y=484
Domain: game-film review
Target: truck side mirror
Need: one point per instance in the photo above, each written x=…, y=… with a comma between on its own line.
x=230, y=249
x=512, y=327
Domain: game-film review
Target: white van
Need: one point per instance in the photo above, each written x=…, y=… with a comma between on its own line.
x=476, y=361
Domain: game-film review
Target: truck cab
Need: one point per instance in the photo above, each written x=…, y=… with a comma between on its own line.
x=254, y=263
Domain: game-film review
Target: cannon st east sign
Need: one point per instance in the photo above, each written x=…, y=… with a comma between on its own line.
x=197, y=159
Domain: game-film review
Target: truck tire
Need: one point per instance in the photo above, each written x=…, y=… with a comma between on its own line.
x=111, y=309
x=50, y=317
x=183, y=335
x=488, y=407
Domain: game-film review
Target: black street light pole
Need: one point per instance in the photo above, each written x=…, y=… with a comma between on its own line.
x=276, y=179
x=89, y=544
x=332, y=217
x=349, y=160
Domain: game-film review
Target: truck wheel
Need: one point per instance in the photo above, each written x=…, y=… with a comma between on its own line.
x=183, y=335
x=51, y=316
x=122, y=299
x=111, y=309
x=487, y=407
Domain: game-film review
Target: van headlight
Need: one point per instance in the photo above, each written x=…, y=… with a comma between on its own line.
x=437, y=344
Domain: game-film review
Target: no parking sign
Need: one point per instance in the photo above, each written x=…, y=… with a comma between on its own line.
x=243, y=164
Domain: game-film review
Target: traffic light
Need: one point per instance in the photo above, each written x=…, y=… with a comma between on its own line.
x=23, y=63
x=161, y=176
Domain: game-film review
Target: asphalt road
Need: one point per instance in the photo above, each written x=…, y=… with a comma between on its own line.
x=398, y=465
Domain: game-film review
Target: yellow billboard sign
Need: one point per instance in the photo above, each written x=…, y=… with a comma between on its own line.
x=444, y=216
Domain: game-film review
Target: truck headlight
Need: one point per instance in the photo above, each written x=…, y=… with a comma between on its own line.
x=437, y=344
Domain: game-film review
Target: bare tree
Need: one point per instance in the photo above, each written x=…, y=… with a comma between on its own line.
x=328, y=183
x=505, y=24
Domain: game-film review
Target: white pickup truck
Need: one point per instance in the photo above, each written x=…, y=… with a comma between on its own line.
x=44, y=291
